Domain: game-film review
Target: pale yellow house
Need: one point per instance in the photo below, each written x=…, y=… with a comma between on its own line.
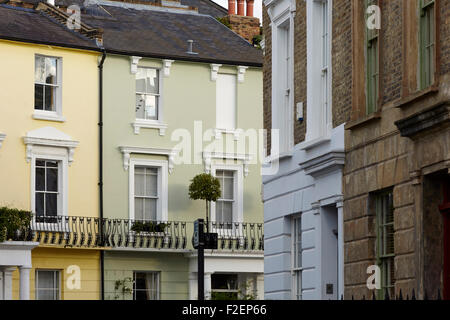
x=49, y=154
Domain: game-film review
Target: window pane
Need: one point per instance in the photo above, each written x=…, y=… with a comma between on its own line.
x=150, y=209
x=52, y=179
x=150, y=106
x=146, y=286
x=47, y=285
x=50, y=70
x=227, y=215
x=40, y=179
x=227, y=190
x=39, y=69
x=139, y=183
x=50, y=98
x=39, y=203
x=39, y=96
x=139, y=209
x=152, y=81
x=51, y=208
x=140, y=80
x=151, y=183
x=219, y=208
x=140, y=103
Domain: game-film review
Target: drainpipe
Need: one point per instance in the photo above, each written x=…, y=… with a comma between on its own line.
x=100, y=179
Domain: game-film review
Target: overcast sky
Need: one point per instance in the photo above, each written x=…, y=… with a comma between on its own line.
x=257, y=10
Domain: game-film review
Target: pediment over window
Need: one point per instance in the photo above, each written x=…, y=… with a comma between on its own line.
x=49, y=137
x=434, y=117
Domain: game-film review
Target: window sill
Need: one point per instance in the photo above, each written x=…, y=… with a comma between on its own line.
x=362, y=121
x=314, y=143
x=416, y=96
x=48, y=116
x=219, y=132
x=150, y=124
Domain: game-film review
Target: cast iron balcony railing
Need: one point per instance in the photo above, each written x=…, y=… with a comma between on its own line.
x=70, y=231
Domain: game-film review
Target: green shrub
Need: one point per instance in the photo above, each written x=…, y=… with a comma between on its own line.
x=13, y=221
x=148, y=226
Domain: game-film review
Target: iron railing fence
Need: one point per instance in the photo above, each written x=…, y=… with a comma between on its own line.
x=73, y=231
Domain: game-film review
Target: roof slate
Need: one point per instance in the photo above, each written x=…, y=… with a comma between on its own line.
x=31, y=26
x=129, y=31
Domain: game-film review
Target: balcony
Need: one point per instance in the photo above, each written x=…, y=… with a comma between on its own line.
x=70, y=231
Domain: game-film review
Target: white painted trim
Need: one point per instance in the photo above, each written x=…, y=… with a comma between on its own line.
x=209, y=156
x=282, y=16
x=241, y=73
x=214, y=70
x=319, y=120
x=219, y=132
x=48, y=115
x=170, y=153
x=162, y=206
x=134, y=60
x=51, y=153
x=238, y=189
x=57, y=114
x=49, y=137
x=152, y=124
x=2, y=138
x=166, y=66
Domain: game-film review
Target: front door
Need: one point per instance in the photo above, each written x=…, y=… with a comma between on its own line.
x=445, y=210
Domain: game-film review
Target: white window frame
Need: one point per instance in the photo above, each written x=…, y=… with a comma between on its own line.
x=151, y=123
x=296, y=271
x=319, y=106
x=282, y=114
x=37, y=281
x=52, y=154
x=162, y=204
x=238, y=205
x=57, y=114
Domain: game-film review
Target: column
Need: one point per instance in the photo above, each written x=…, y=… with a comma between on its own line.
x=7, y=282
x=24, y=292
x=192, y=285
x=260, y=286
x=207, y=286
x=340, y=208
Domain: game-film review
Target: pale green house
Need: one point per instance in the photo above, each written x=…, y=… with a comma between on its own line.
x=182, y=95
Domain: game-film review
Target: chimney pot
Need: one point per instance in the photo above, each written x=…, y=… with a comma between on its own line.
x=240, y=8
x=231, y=6
x=250, y=4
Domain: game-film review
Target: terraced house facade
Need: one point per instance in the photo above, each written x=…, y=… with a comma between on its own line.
x=167, y=99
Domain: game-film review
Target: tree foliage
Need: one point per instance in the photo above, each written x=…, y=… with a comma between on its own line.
x=204, y=187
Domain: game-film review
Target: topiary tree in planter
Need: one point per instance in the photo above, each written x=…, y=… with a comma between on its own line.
x=205, y=187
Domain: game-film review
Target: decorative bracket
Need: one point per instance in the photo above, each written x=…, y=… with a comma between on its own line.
x=2, y=137
x=241, y=72
x=214, y=70
x=166, y=66
x=31, y=142
x=127, y=151
x=415, y=177
x=134, y=63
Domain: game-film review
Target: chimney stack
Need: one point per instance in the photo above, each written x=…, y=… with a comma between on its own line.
x=240, y=8
x=231, y=6
x=250, y=4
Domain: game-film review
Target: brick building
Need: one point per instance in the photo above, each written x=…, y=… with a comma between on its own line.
x=396, y=176
x=390, y=89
